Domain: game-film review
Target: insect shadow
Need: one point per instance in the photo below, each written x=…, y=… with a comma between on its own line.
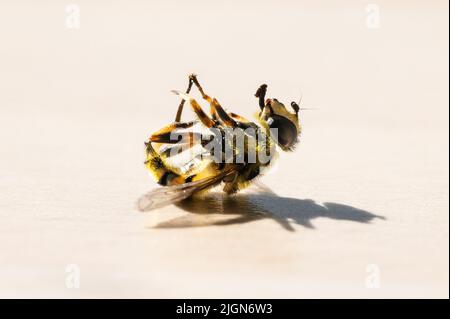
x=217, y=209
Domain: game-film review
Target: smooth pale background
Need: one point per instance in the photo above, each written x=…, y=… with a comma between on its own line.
x=76, y=106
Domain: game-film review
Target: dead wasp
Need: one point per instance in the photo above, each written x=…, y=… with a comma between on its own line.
x=221, y=148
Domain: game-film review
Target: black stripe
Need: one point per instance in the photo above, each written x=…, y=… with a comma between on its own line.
x=157, y=163
x=166, y=178
x=253, y=173
x=225, y=117
x=184, y=124
x=174, y=138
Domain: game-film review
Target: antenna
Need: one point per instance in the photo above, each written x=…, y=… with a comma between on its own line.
x=301, y=98
x=304, y=108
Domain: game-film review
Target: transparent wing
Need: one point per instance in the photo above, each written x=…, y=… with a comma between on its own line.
x=167, y=195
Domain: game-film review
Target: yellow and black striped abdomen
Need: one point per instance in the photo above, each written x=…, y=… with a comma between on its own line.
x=162, y=173
x=166, y=175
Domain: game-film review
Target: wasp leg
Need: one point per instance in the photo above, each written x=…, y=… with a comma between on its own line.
x=231, y=185
x=216, y=109
x=180, y=107
x=171, y=127
x=223, y=116
x=192, y=80
x=261, y=95
x=241, y=180
x=217, y=112
x=205, y=96
x=205, y=119
x=189, y=138
x=168, y=134
x=239, y=118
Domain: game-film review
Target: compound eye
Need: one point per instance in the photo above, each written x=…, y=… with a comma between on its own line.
x=284, y=130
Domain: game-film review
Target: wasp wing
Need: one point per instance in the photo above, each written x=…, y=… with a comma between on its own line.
x=167, y=195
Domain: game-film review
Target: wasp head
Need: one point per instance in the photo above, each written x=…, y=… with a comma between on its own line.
x=284, y=125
